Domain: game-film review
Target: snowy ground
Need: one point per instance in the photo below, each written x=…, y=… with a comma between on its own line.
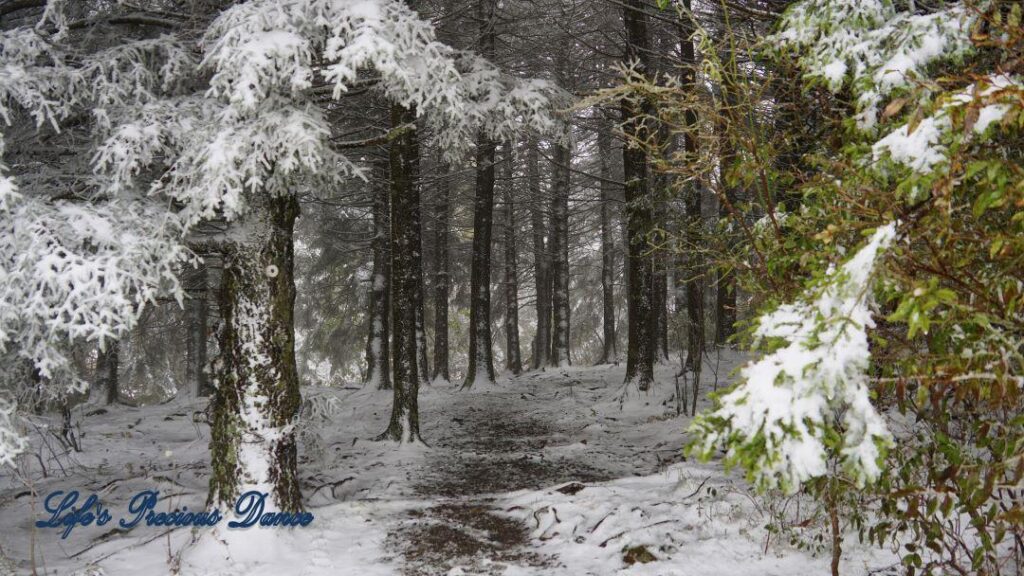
x=542, y=474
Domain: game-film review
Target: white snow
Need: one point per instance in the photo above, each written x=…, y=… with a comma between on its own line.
x=923, y=148
x=788, y=397
x=530, y=432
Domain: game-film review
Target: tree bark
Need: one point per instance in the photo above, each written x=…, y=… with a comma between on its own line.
x=197, y=312
x=660, y=312
x=641, y=351
x=481, y=359
x=513, y=357
x=378, y=356
x=694, y=268
x=422, y=367
x=441, y=279
x=252, y=444
x=481, y=356
x=106, y=376
x=560, y=256
x=406, y=277
x=609, y=352
x=725, y=285
x=541, y=260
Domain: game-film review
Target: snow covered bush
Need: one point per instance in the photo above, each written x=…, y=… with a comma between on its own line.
x=892, y=391
x=806, y=402
x=873, y=45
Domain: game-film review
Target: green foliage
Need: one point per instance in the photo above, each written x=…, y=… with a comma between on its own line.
x=939, y=151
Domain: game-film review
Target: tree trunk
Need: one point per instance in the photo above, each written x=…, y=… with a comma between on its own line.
x=106, y=376
x=441, y=279
x=378, y=364
x=694, y=268
x=481, y=356
x=725, y=285
x=560, y=256
x=196, y=312
x=406, y=277
x=513, y=358
x=660, y=312
x=541, y=260
x=609, y=352
x=641, y=351
x=422, y=367
x=481, y=360
x=252, y=444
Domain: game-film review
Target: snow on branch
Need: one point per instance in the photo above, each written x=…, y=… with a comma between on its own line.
x=76, y=271
x=80, y=271
x=871, y=46
x=781, y=422
x=922, y=147
x=262, y=48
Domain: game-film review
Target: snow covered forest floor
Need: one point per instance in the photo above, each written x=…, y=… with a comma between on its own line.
x=542, y=474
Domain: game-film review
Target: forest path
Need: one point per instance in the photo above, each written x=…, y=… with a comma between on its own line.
x=531, y=431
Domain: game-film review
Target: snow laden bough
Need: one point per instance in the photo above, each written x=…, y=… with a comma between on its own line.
x=872, y=45
x=778, y=423
x=81, y=267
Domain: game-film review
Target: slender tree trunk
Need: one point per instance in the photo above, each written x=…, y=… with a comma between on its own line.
x=106, y=376
x=513, y=357
x=541, y=260
x=441, y=279
x=560, y=256
x=378, y=349
x=694, y=268
x=481, y=359
x=660, y=312
x=641, y=351
x=609, y=352
x=481, y=356
x=422, y=367
x=406, y=277
x=252, y=443
x=196, y=312
x=725, y=285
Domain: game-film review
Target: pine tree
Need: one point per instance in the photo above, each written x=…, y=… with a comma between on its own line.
x=513, y=358
x=642, y=343
x=609, y=351
x=378, y=341
x=481, y=354
x=559, y=248
x=404, y=425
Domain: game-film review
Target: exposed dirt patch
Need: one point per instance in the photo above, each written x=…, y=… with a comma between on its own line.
x=470, y=475
x=468, y=535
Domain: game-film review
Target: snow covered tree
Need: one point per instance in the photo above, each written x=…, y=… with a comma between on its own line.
x=641, y=350
x=245, y=149
x=78, y=265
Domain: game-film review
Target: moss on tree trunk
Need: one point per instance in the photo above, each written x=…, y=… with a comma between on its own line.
x=252, y=444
